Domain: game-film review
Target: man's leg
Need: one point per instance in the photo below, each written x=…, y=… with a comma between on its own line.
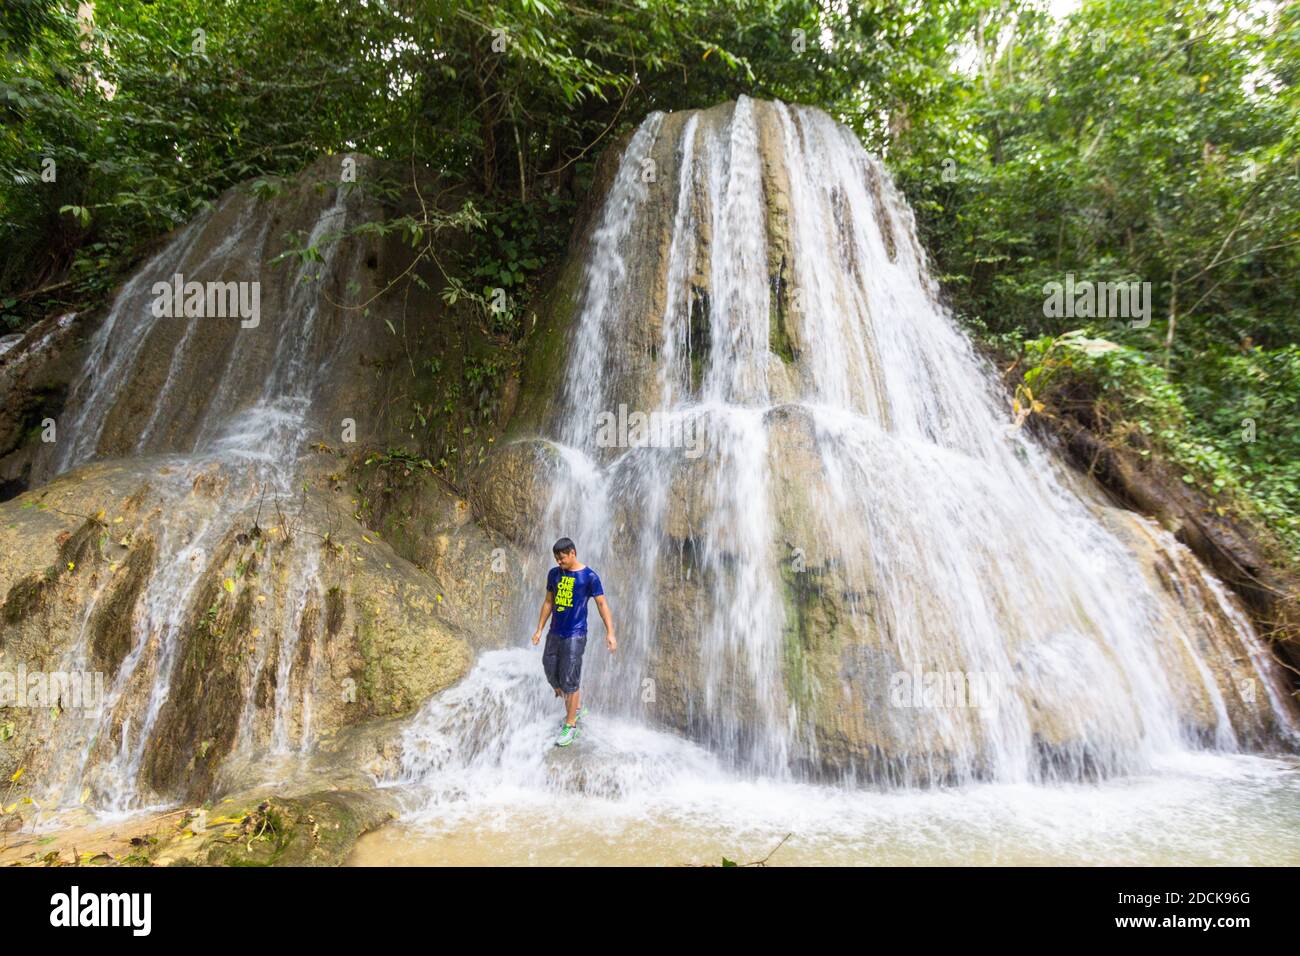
x=551, y=663
x=571, y=702
x=571, y=675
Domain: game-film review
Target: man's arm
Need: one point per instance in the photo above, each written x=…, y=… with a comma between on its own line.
x=546, y=612
x=603, y=607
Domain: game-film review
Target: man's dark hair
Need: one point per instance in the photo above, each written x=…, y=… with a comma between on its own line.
x=564, y=545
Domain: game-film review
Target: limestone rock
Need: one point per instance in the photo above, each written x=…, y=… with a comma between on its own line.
x=93, y=582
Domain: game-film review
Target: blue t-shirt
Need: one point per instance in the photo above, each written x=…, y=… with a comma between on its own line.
x=572, y=590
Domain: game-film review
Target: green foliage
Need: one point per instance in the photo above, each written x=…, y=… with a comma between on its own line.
x=24, y=22
x=154, y=107
x=153, y=111
x=517, y=242
x=1135, y=141
x=1142, y=140
x=1245, y=453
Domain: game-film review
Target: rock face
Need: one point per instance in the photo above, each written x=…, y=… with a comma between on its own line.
x=186, y=543
x=318, y=349
x=1153, y=488
x=477, y=559
x=34, y=372
x=227, y=650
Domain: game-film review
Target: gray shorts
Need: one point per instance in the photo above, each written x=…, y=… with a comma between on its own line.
x=562, y=661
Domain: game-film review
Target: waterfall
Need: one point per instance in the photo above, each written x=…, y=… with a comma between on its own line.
x=863, y=526
x=839, y=571
x=243, y=434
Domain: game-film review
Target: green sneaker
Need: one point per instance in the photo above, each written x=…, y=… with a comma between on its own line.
x=577, y=718
x=567, y=736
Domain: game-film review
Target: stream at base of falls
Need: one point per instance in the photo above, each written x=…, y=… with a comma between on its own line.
x=1204, y=810
x=625, y=794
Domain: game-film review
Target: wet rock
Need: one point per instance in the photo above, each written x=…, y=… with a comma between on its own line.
x=35, y=372
x=153, y=384
x=436, y=529
x=314, y=829
x=369, y=639
x=512, y=490
x=1271, y=594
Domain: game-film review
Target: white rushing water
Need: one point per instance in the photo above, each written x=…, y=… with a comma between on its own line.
x=248, y=441
x=957, y=545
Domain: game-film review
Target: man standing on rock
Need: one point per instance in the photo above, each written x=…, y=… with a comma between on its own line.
x=569, y=586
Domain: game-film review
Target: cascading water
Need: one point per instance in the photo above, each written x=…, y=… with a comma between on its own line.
x=246, y=437
x=861, y=517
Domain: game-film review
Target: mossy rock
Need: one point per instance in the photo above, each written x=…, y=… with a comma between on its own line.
x=316, y=829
